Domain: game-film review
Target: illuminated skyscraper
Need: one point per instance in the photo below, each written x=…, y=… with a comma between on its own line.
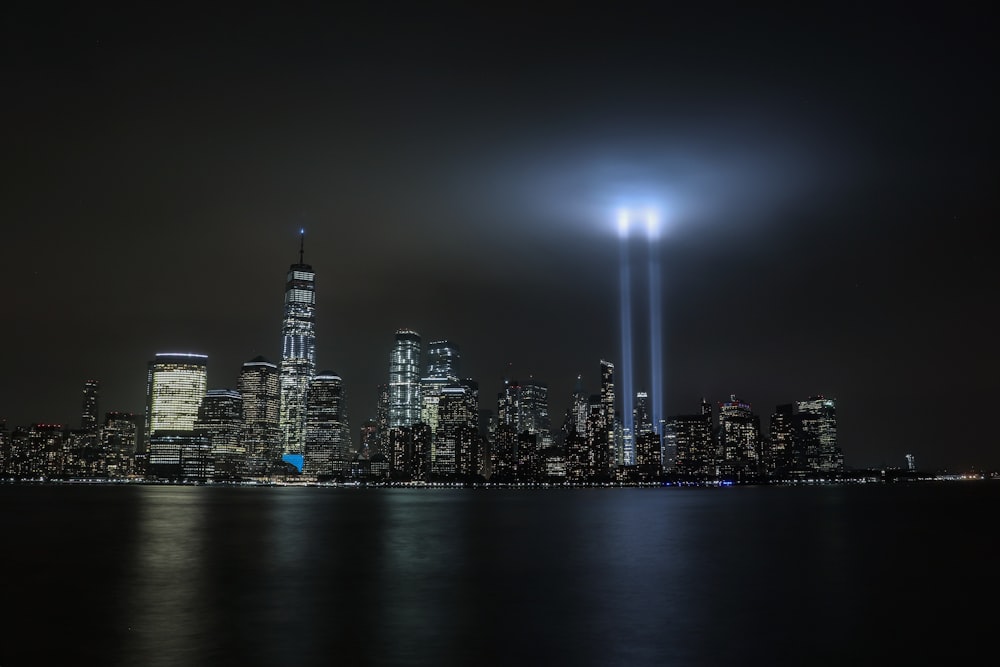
x=119, y=442
x=443, y=360
x=533, y=413
x=382, y=422
x=220, y=419
x=89, y=414
x=739, y=441
x=781, y=444
x=816, y=419
x=604, y=440
x=442, y=371
x=328, y=436
x=404, y=380
x=690, y=438
x=298, y=352
x=646, y=455
x=456, y=443
x=259, y=386
x=175, y=385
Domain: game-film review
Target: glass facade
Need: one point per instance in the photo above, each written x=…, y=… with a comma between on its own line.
x=328, y=436
x=259, y=387
x=404, y=380
x=298, y=355
x=175, y=386
x=220, y=419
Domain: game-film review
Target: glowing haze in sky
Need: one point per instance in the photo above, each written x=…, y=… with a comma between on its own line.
x=825, y=179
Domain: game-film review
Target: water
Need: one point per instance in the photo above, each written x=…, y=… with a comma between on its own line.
x=165, y=575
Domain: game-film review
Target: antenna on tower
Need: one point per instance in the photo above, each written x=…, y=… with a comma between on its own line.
x=302, y=243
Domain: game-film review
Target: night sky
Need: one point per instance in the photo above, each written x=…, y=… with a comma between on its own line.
x=828, y=181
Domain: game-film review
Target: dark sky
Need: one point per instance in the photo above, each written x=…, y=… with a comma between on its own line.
x=828, y=180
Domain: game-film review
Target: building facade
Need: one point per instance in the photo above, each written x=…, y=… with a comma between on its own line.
x=221, y=421
x=404, y=380
x=260, y=388
x=328, y=435
x=298, y=354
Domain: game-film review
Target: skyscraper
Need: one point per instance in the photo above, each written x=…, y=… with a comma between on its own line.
x=442, y=371
x=119, y=442
x=690, y=438
x=605, y=440
x=817, y=423
x=739, y=441
x=443, y=360
x=455, y=446
x=259, y=386
x=89, y=413
x=534, y=409
x=298, y=352
x=646, y=454
x=404, y=380
x=220, y=419
x=175, y=386
x=328, y=436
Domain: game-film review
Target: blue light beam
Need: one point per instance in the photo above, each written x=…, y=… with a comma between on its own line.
x=655, y=320
x=626, y=321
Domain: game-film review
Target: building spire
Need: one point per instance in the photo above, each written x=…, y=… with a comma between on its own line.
x=302, y=243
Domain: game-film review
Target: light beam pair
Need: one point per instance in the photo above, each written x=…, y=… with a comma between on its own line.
x=651, y=219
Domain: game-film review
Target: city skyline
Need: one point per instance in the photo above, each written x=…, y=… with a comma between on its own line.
x=824, y=178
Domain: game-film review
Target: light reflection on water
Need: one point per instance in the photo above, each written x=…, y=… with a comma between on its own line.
x=164, y=575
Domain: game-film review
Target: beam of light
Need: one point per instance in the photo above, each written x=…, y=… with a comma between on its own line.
x=623, y=223
x=655, y=327
x=626, y=322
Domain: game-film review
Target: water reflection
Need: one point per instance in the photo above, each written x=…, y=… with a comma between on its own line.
x=166, y=576
x=161, y=575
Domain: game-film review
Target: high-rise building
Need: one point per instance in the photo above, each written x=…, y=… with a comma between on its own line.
x=817, y=424
x=220, y=419
x=442, y=371
x=89, y=414
x=533, y=413
x=119, y=441
x=690, y=438
x=259, y=387
x=175, y=385
x=646, y=455
x=404, y=380
x=455, y=448
x=605, y=440
x=382, y=422
x=298, y=353
x=368, y=445
x=328, y=436
x=781, y=455
x=579, y=408
x=443, y=360
x=739, y=441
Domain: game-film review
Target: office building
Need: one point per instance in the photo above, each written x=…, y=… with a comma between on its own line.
x=260, y=388
x=328, y=435
x=404, y=380
x=298, y=353
x=221, y=420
